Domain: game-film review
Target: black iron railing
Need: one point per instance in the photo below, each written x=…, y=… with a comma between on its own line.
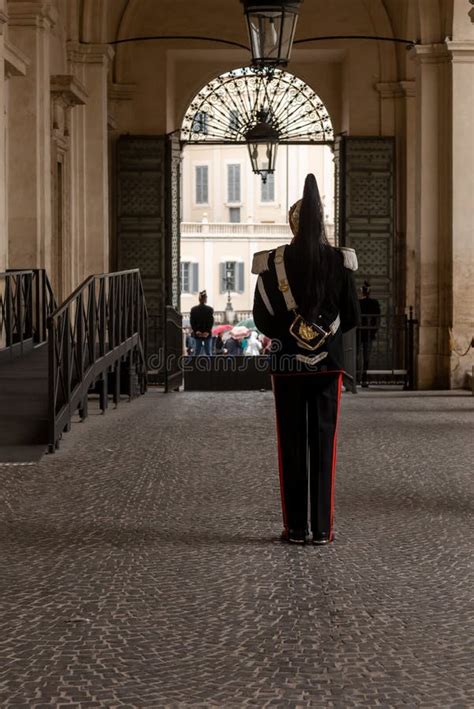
x=96, y=339
x=388, y=342
x=26, y=301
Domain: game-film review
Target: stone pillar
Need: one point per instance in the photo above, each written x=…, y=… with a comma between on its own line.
x=3, y=159
x=433, y=196
x=408, y=177
x=462, y=143
x=66, y=93
x=29, y=179
x=90, y=63
x=389, y=91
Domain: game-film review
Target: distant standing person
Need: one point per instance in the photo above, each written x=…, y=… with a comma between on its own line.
x=189, y=342
x=202, y=320
x=233, y=347
x=369, y=321
x=219, y=345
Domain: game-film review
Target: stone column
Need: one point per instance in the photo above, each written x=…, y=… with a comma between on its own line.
x=90, y=63
x=408, y=178
x=3, y=159
x=29, y=179
x=433, y=196
x=389, y=91
x=462, y=143
x=66, y=93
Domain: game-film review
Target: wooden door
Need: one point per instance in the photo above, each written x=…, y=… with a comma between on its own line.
x=365, y=221
x=147, y=228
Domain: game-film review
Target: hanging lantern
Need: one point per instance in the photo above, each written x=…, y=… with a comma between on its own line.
x=262, y=142
x=271, y=28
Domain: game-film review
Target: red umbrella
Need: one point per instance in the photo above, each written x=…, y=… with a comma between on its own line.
x=219, y=329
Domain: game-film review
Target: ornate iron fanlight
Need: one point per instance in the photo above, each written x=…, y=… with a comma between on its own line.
x=227, y=108
x=271, y=27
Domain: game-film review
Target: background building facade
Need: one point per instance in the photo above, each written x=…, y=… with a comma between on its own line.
x=229, y=214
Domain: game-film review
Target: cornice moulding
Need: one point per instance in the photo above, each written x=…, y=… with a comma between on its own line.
x=39, y=14
x=16, y=62
x=430, y=53
x=408, y=88
x=461, y=51
x=89, y=53
x=69, y=88
x=121, y=92
x=389, y=89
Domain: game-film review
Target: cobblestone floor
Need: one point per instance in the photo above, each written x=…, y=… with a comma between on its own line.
x=141, y=567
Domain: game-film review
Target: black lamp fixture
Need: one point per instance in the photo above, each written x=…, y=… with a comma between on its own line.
x=262, y=141
x=271, y=26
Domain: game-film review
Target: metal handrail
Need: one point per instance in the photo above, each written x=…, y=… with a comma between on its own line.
x=26, y=301
x=86, y=282
x=99, y=328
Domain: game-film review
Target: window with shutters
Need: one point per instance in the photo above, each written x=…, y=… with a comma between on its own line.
x=268, y=189
x=233, y=183
x=189, y=277
x=202, y=184
x=231, y=276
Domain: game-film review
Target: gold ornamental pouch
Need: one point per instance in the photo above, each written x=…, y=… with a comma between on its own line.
x=308, y=335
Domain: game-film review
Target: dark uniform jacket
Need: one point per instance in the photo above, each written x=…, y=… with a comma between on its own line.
x=272, y=317
x=201, y=318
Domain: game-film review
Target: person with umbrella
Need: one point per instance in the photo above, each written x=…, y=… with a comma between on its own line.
x=305, y=299
x=217, y=333
x=233, y=344
x=202, y=320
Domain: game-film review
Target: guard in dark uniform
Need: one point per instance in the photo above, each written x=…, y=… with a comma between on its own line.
x=305, y=314
x=367, y=332
x=202, y=320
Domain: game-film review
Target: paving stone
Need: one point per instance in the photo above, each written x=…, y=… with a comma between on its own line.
x=141, y=565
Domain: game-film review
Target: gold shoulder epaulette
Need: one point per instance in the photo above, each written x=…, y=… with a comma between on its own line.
x=260, y=261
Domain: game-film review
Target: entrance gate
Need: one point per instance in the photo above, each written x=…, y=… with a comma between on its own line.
x=147, y=233
x=148, y=206
x=365, y=209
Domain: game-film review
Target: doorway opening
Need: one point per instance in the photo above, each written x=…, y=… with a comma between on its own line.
x=227, y=212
